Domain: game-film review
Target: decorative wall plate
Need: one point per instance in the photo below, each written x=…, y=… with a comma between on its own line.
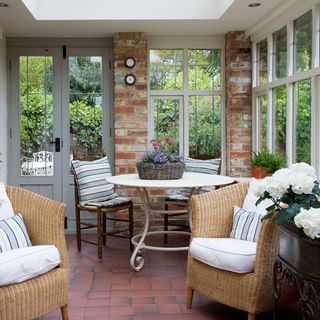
x=130, y=79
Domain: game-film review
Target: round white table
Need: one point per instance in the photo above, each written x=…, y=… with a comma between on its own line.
x=190, y=179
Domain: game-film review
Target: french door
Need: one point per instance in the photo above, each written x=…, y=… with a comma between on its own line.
x=57, y=104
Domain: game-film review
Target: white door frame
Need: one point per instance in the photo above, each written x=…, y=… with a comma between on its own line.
x=15, y=178
x=107, y=120
x=62, y=181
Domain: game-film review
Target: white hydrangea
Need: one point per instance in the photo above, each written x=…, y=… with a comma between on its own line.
x=301, y=183
x=300, y=177
x=309, y=220
x=305, y=168
x=276, y=186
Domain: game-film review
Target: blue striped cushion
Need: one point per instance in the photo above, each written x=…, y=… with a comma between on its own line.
x=13, y=234
x=211, y=166
x=91, y=179
x=246, y=224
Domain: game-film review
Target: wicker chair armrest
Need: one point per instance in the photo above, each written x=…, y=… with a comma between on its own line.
x=212, y=212
x=267, y=248
x=44, y=219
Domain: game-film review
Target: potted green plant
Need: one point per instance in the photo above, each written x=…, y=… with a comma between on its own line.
x=265, y=163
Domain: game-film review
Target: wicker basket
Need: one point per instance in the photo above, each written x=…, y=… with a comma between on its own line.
x=167, y=171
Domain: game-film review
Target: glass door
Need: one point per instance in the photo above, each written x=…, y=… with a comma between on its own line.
x=36, y=127
x=86, y=112
x=58, y=105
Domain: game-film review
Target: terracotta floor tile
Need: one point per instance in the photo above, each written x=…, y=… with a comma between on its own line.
x=99, y=294
x=144, y=309
x=160, y=283
x=120, y=310
x=140, y=284
x=143, y=300
x=98, y=303
x=169, y=308
x=97, y=311
x=108, y=289
x=125, y=301
x=166, y=300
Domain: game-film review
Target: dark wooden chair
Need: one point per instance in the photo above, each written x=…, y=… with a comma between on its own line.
x=179, y=200
x=104, y=211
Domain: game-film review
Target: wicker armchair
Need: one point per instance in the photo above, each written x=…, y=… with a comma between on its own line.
x=212, y=218
x=36, y=297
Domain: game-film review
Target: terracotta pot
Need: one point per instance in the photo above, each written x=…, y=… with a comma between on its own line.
x=259, y=172
x=302, y=253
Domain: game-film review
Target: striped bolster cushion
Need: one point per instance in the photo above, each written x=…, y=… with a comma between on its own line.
x=246, y=224
x=91, y=179
x=211, y=166
x=13, y=234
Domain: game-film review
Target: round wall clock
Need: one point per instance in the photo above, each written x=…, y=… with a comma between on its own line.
x=130, y=62
x=130, y=79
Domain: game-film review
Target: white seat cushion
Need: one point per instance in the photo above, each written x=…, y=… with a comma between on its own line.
x=25, y=263
x=224, y=253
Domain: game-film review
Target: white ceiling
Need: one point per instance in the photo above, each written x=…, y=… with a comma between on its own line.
x=17, y=21
x=126, y=9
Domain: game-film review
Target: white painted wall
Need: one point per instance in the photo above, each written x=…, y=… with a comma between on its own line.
x=3, y=109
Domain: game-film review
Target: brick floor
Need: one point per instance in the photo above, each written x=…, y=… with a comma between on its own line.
x=108, y=288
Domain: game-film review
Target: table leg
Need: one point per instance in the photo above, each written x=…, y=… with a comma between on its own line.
x=137, y=260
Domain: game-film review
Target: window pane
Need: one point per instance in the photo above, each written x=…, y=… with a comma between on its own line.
x=263, y=121
x=303, y=120
x=303, y=42
x=280, y=48
x=262, y=49
x=204, y=69
x=85, y=95
x=166, y=69
x=280, y=116
x=36, y=115
x=166, y=119
x=204, y=127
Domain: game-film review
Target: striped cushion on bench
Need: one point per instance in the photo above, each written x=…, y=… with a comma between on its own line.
x=91, y=179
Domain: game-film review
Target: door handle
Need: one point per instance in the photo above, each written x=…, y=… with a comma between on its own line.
x=56, y=142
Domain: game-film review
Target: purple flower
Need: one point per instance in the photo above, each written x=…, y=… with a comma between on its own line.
x=163, y=151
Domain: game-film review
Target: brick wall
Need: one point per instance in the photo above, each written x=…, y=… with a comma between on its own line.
x=238, y=68
x=130, y=109
x=130, y=102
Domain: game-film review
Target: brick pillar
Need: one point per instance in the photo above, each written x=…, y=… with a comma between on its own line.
x=238, y=103
x=130, y=101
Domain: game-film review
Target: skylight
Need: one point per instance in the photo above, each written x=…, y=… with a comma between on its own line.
x=127, y=9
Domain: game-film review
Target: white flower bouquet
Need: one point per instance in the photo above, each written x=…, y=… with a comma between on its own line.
x=295, y=194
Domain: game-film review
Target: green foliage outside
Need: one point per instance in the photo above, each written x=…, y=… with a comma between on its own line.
x=204, y=73
x=280, y=131
x=36, y=104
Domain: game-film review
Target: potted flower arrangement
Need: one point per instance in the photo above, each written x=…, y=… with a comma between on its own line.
x=295, y=194
x=264, y=163
x=161, y=162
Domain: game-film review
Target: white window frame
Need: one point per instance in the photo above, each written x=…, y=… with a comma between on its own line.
x=185, y=44
x=289, y=81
